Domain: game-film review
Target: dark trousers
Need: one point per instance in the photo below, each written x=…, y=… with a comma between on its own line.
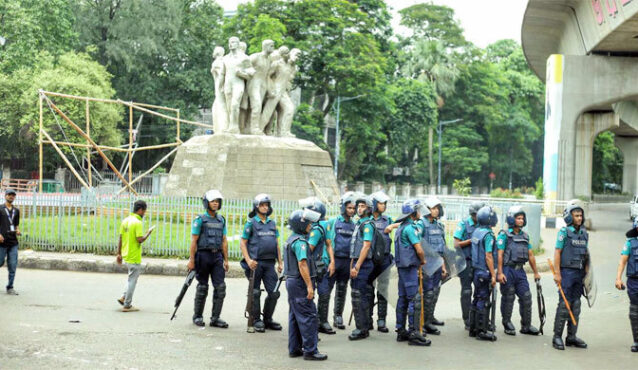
x=408, y=288
x=516, y=279
x=303, y=330
x=265, y=272
x=432, y=282
x=482, y=281
x=11, y=255
x=209, y=264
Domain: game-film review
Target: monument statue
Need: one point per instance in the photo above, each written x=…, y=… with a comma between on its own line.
x=237, y=69
x=220, y=117
x=252, y=93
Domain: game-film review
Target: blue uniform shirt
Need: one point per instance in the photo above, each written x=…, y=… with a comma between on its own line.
x=411, y=234
x=248, y=228
x=626, y=251
x=368, y=230
x=501, y=240
x=459, y=232
x=196, y=226
x=299, y=248
x=315, y=237
x=330, y=226
x=562, y=235
x=489, y=242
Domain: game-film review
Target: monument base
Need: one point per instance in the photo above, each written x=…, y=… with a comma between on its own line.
x=242, y=166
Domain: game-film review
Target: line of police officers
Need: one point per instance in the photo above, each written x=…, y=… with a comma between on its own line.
x=324, y=255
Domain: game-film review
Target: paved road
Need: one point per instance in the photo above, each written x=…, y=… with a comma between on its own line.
x=36, y=329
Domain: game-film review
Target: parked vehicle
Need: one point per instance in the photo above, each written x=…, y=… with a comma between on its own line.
x=633, y=208
x=48, y=186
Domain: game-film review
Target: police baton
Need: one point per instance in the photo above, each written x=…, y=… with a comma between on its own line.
x=560, y=288
x=421, y=297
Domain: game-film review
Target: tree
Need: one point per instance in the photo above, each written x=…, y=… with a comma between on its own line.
x=73, y=73
x=433, y=22
x=607, y=162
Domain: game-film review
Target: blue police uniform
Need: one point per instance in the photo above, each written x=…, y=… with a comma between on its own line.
x=434, y=233
x=363, y=232
x=463, y=232
x=407, y=261
x=209, y=261
x=631, y=251
x=262, y=244
x=382, y=304
x=482, y=243
x=515, y=247
x=302, y=318
x=573, y=260
x=317, y=241
x=340, y=233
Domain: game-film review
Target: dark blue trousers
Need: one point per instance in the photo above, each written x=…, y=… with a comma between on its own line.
x=516, y=280
x=303, y=330
x=632, y=290
x=432, y=282
x=482, y=280
x=208, y=263
x=265, y=273
x=572, y=283
x=408, y=288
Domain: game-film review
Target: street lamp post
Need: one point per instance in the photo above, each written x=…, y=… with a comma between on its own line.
x=337, y=132
x=441, y=123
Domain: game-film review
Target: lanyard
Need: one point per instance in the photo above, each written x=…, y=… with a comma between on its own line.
x=10, y=216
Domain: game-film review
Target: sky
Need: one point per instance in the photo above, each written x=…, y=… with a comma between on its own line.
x=484, y=21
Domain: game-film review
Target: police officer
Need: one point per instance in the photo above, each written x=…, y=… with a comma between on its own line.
x=323, y=258
x=383, y=223
x=463, y=241
x=340, y=231
x=434, y=232
x=484, y=275
x=629, y=257
x=514, y=250
x=209, y=257
x=409, y=258
x=302, y=317
x=260, y=249
x=570, y=259
x=361, y=266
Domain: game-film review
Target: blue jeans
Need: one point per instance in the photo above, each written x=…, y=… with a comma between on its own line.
x=11, y=254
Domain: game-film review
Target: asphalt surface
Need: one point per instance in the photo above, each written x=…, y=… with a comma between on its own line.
x=71, y=320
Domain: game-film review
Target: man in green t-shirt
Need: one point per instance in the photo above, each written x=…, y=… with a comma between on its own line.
x=129, y=248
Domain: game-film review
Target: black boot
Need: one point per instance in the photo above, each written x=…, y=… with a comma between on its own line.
x=269, y=309
x=559, y=325
x=525, y=308
x=507, y=306
x=315, y=357
x=360, y=316
x=402, y=335
x=382, y=312
x=259, y=325
x=473, y=328
x=417, y=339
x=466, y=302
x=435, y=321
x=218, y=302
x=324, y=303
x=428, y=302
x=572, y=340
x=483, y=325
x=370, y=305
x=633, y=318
x=340, y=302
x=200, y=301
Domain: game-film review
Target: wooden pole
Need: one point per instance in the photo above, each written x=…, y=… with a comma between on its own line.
x=178, y=136
x=65, y=159
x=159, y=146
x=93, y=144
x=560, y=289
x=150, y=169
x=40, y=149
x=165, y=116
x=130, y=143
x=88, y=150
x=78, y=145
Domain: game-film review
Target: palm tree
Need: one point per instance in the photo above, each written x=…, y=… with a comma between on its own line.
x=432, y=61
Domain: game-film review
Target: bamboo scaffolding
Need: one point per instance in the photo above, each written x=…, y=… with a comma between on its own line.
x=40, y=149
x=65, y=159
x=78, y=145
x=150, y=169
x=88, y=150
x=90, y=141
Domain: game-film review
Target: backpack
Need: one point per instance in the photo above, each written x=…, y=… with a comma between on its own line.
x=377, y=247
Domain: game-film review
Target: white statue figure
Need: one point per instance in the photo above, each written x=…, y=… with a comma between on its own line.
x=258, y=84
x=244, y=108
x=220, y=116
x=282, y=75
x=237, y=70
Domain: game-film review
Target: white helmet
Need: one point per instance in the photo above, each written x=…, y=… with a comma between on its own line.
x=432, y=202
x=210, y=196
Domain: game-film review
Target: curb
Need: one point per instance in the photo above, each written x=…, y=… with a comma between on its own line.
x=168, y=268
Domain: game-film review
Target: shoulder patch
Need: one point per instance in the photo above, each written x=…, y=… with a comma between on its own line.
x=500, y=242
x=366, y=230
x=561, y=237
x=416, y=232
x=312, y=233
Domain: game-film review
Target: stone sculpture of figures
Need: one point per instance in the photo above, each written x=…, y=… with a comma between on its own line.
x=257, y=85
x=250, y=89
x=237, y=70
x=220, y=117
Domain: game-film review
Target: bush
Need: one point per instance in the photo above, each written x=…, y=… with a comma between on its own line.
x=540, y=191
x=462, y=186
x=506, y=193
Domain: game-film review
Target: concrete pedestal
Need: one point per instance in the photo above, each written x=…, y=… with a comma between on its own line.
x=242, y=166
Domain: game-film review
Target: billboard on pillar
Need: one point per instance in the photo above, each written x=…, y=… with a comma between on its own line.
x=553, y=117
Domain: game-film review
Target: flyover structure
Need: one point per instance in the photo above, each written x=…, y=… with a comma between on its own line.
x=586, y=51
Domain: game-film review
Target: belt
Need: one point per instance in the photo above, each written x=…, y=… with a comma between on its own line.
x=516, y=266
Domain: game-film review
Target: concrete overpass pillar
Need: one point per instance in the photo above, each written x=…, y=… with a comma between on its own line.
x=577, y=85
x=629, y=148
x=588, y=126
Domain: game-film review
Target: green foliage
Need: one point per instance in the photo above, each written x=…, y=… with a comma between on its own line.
x=506, y=193
x=463, y=186
x=433, y=22
x=308, y=125
x=540, y=190
x=266, y=28
x=72, y=73
x=607, y=162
